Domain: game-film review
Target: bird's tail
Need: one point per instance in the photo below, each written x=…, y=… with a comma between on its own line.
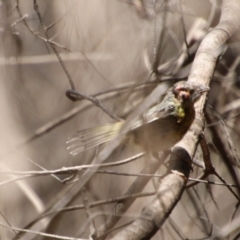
x=92, y=137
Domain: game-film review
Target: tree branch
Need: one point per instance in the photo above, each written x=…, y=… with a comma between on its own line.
x=172, y=186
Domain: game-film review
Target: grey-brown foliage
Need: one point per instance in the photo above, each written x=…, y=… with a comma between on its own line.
x=115, y=54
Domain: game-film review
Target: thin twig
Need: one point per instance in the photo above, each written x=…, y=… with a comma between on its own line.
x=75, y=95
x=209, y=169
x=41, y=233
x=35, y=6
x=67, y=170
x=72, y=94
x=122, y=206
x=88, y=212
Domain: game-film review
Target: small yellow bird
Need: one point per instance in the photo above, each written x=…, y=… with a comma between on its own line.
x=158, y=129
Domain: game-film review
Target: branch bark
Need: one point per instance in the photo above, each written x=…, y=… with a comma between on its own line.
x=169, y=193
x=172, y=186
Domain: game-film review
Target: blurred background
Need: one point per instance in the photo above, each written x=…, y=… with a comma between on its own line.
x=110, y=47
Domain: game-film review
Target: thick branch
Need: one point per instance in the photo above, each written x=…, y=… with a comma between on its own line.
x=169, y=193
x=202, y=71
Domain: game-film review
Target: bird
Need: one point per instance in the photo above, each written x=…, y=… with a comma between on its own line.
x=158, y=129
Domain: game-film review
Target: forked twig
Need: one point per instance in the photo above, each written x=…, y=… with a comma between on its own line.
x=209, y=169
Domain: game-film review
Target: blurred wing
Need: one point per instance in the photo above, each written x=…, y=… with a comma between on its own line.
x=92, y=137
x=153, y=114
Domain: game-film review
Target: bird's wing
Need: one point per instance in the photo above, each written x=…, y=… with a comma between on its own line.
x=153, y=114
x=92, y=137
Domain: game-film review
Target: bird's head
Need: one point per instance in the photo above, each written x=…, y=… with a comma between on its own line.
x=188, y=92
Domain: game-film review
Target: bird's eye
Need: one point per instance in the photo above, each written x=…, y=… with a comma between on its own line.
x=176, y=91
